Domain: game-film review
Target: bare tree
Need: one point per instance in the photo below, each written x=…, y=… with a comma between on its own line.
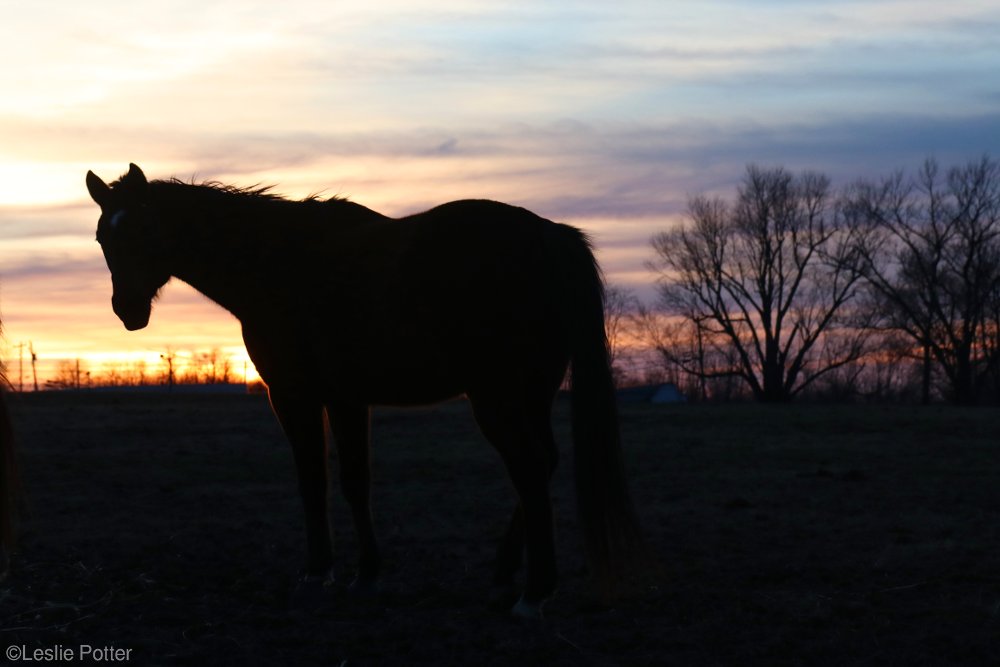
x=766, y=283
x=619, y=303
x=169, y=376
x=620, y=306
x=70, y=374
x=112, y=375
x=680, y=346
x=139, y=372
x=934, y=266
x=211, y=367
x=206, y=366
x=224, y=369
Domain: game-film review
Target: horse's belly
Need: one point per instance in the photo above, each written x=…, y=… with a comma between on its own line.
x=389, y=378
x=396, y=389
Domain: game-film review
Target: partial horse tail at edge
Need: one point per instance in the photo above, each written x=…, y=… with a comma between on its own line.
x=9, y=486
x=612, y=538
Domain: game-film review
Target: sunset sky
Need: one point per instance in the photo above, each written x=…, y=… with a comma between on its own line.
x=603, y=115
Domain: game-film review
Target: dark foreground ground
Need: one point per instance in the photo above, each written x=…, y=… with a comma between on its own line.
x=805, y=535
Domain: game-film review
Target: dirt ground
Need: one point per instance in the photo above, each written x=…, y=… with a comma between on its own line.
x=169, y=526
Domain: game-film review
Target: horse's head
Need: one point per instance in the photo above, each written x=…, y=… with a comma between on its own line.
x=126, y=231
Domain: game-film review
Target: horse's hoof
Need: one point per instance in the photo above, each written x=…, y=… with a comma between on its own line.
x=528, y=614
x=502, y=597
x=311, y=590
x=363, y=588
x=323, y=580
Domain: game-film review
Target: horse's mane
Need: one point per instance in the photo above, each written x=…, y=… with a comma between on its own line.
x=257, y=201
x=256, y=192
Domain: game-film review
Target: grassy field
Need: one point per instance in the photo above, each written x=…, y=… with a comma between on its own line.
x=788, y=535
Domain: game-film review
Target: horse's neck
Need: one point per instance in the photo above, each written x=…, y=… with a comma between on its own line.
x=212, y=249
x=246, y=253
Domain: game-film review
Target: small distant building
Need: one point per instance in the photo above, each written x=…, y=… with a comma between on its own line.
x=667, y=392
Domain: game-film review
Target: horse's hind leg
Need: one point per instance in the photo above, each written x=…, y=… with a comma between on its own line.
x=523, y=436
x=351, y=433
x=509, y=556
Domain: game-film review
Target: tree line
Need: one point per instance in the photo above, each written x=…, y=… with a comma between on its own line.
x=207, y=367
x=886, y=288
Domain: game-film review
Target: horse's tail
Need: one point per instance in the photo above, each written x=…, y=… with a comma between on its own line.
x=9, y=485
x=611, y=532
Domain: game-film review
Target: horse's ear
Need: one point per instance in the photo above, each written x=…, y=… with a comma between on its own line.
x=135, y=174
x=99, y=190
x=135, y=179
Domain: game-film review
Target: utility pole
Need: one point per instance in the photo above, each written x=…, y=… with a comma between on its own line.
x=34, y=360
x=169, y=358
x=20, y=366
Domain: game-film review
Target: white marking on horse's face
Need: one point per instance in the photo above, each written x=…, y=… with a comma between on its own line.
x=117, y=218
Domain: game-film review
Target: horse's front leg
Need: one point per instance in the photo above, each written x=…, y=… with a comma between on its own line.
x=504, y=593
x=302, y=419
x=352, y=434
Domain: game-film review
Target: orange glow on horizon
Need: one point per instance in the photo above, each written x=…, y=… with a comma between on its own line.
x=124, y=368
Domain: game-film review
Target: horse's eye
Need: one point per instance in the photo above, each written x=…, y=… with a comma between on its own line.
x=117, y=219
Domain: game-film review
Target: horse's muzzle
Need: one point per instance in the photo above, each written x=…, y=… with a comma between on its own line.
x=133, y=314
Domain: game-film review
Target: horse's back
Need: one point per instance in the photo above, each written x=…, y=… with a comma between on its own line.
x=482, y=257
x=490, y=241
x=473, y=287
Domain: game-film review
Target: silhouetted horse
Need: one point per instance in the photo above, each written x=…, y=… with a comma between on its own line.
x=343, y=308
